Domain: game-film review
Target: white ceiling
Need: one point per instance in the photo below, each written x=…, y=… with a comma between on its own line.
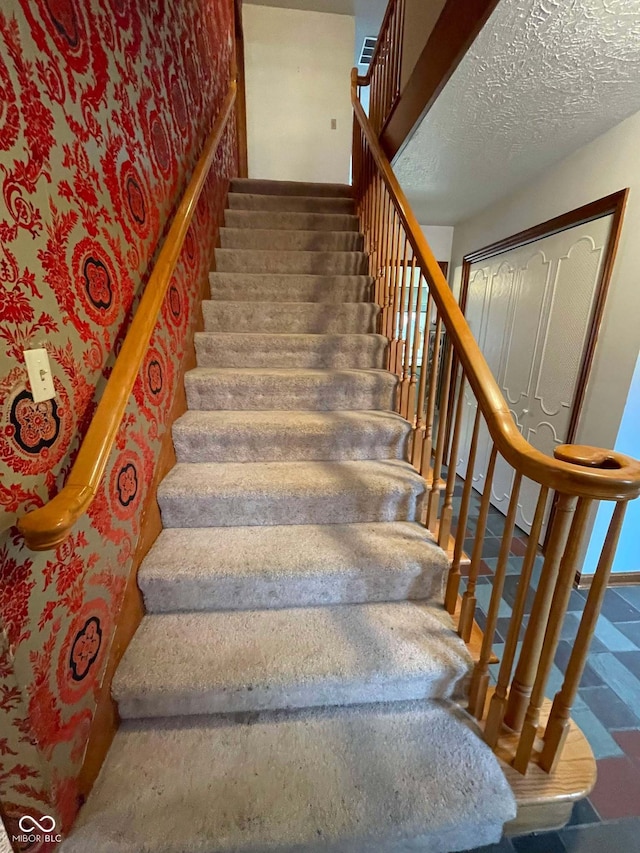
x=543, y=78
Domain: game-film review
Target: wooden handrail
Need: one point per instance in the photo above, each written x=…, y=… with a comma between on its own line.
x=49, y=525
x=581, y=471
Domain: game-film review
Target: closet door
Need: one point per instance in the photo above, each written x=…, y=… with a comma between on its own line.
x=530, y=310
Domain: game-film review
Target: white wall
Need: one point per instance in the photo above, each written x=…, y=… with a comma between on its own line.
x=607, y=164
x=297, y=69
x=440, y=238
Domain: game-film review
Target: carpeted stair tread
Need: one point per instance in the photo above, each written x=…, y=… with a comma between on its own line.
x=281, y=388
x=309, y=263
x=291, y=220
x=282, y=287
x=236, y=494
x=290, y=204
x=278, y=436
x=232, y=568
x=263, y=186
x=255, y=660
x=257, y=349
x=289, y=240
x=290, y=317
x=411, y=776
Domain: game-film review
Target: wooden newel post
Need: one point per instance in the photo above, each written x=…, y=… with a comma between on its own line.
x=559, y=719
x=522, y=684
x=559, y=604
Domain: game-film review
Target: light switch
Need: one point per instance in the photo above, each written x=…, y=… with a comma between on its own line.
x=334, y=124
x=40, y=376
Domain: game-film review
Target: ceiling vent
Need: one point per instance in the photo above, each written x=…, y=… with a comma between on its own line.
x=368, y=48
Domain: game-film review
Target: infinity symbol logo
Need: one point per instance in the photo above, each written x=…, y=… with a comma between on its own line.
x=28, y=823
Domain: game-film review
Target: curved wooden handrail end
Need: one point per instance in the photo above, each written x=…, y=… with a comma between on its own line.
x=49, y=525
x=626, y=467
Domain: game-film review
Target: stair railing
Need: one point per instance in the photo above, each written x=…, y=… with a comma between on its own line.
x=385, y=68
x=448, y=393
x=49, y=525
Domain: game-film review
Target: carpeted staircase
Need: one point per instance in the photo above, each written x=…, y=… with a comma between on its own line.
x=291, y=687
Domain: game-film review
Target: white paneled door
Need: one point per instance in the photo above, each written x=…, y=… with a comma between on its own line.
x=530, y=310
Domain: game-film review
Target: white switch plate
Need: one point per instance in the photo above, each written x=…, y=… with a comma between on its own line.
x=40, y=376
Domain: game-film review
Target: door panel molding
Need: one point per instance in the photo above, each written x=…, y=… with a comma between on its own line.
x=612, y=205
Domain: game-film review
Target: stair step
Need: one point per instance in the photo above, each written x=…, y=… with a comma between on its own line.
x=309, y=318
x=282, y=436
x=306, y=263
x=291, y=220
x=236, y=494
x=290, y=204
x=272, y=287
x=260, y=186
x=227, y=349
x=383, y=778
x=256, y=660
x=289, y=240
x=237, y=568
x=278, y=388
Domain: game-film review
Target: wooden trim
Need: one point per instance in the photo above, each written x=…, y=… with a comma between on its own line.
x=454, y=32
x=615, y=579
x=581, y=471
x=611, y=205
x=241, y=98
x=51, y=524
x=106, y=719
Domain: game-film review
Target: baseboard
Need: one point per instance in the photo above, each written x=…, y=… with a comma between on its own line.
x=615, y=579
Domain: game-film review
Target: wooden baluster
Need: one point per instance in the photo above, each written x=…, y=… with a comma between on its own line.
x=433, y=500
x=559, y=719
x=528, y=661
x=373, y=95
x=395, y=286
x=419, y=431
x=399, y=46
x=416, y=338
x=559, y=604
x=395, y=36
x=397, y=345
x=426, y=438
x=397, y=49
x=468, y=607
x=446, y=517
x=375, y=270
x=407, y=328
x=384, y=212
x=480, y=678
x=369, y=207
x=356, y=163
x=453, y=580
x=498, y=704
x=385, y=76
x=386, y=262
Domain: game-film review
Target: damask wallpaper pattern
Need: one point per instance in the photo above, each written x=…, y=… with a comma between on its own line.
x=104, y=106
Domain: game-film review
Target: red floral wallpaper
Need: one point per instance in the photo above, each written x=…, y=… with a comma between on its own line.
x=104, y=106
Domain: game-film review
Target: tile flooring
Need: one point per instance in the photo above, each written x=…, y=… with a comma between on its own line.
x=607, y=708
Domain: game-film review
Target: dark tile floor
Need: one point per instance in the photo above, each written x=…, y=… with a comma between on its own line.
x=607, y=708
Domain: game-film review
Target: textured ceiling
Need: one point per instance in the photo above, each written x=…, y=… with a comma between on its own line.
x=543, y=78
